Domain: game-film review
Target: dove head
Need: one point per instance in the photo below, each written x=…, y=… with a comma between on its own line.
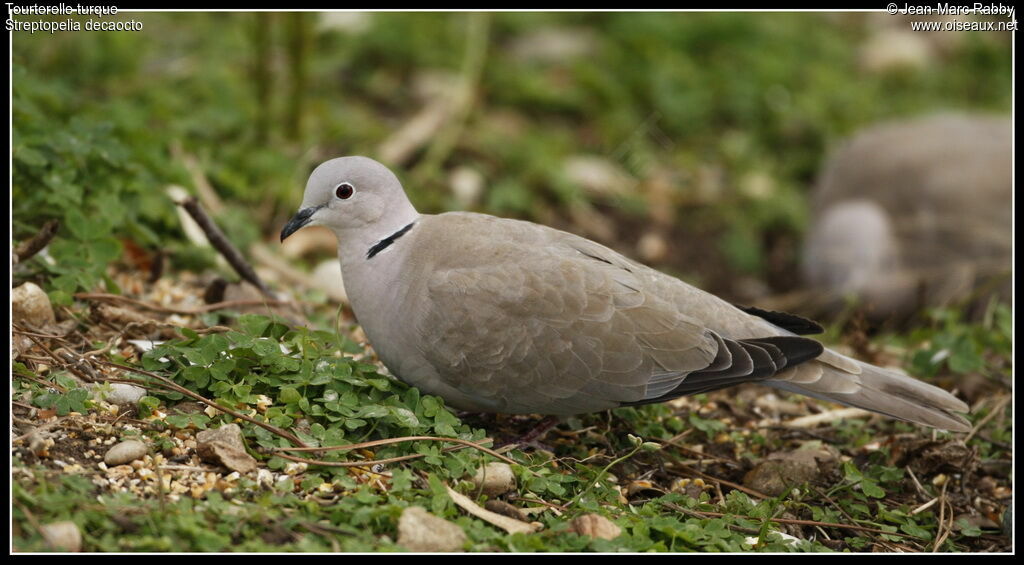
x=359, y=199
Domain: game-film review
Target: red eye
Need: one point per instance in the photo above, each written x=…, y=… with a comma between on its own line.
x=344, y=191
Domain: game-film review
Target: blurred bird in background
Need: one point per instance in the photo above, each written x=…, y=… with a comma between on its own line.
x=914, y=213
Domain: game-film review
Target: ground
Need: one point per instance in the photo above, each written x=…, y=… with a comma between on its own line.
x=745, y=469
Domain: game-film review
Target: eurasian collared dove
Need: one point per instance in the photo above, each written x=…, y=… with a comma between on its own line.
x=500, y=315
x=914, y=212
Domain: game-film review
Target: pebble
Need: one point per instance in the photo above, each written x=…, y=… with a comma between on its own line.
x=596, y=526
x=62, y=536
x=122, y=394
x=495, y=479
x=225, y=446
x=30, y=304
x=419, y=530
x=125, y=452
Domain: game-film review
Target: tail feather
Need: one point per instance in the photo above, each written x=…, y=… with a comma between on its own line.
x=883, y=391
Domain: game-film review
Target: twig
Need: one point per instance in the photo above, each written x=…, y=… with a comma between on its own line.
x=366, y=463
x=28, y=407
x=539, y=501
x=943, y=530
x=42, y=382
x=996, y=410
x=917, y=484
x=61, y=362
x=325, y=531
x=836, y=505
x=77, y=364
x=739, y=487
x=924, y=506
x=171, y=310
x=718, y=491
x=39, y=429
x=148, y=386
x=329, y=528
x=47, y=336
x=36, y=243
x=110, y=344
x=708, y=514
x=673, y=441
x=220, y=242
x=375, y=443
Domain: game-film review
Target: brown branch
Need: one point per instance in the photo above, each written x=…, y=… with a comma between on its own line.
x=36, y=243
x=221, y=243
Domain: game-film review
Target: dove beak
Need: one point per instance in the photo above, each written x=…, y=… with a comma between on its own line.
x=300, y=220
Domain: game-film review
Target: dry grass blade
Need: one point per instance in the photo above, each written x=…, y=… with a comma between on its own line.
x=510, y=525
x=827, y=417
x=996, y=410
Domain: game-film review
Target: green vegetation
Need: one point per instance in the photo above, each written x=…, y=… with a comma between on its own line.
x=735, y=110
x=340, y=401
x=741, y=107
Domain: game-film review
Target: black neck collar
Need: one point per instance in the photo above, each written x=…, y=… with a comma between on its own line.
x=387, y=241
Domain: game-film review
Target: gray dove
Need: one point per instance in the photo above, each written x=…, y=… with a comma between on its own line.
x=501, y=315
x=915, y=212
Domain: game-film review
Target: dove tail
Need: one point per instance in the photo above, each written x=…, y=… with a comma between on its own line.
x=878, y=390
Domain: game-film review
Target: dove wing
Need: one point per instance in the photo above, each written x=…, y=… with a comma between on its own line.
x=536, y=320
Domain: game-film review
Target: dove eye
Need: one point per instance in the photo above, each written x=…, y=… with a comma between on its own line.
x=344, y=191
